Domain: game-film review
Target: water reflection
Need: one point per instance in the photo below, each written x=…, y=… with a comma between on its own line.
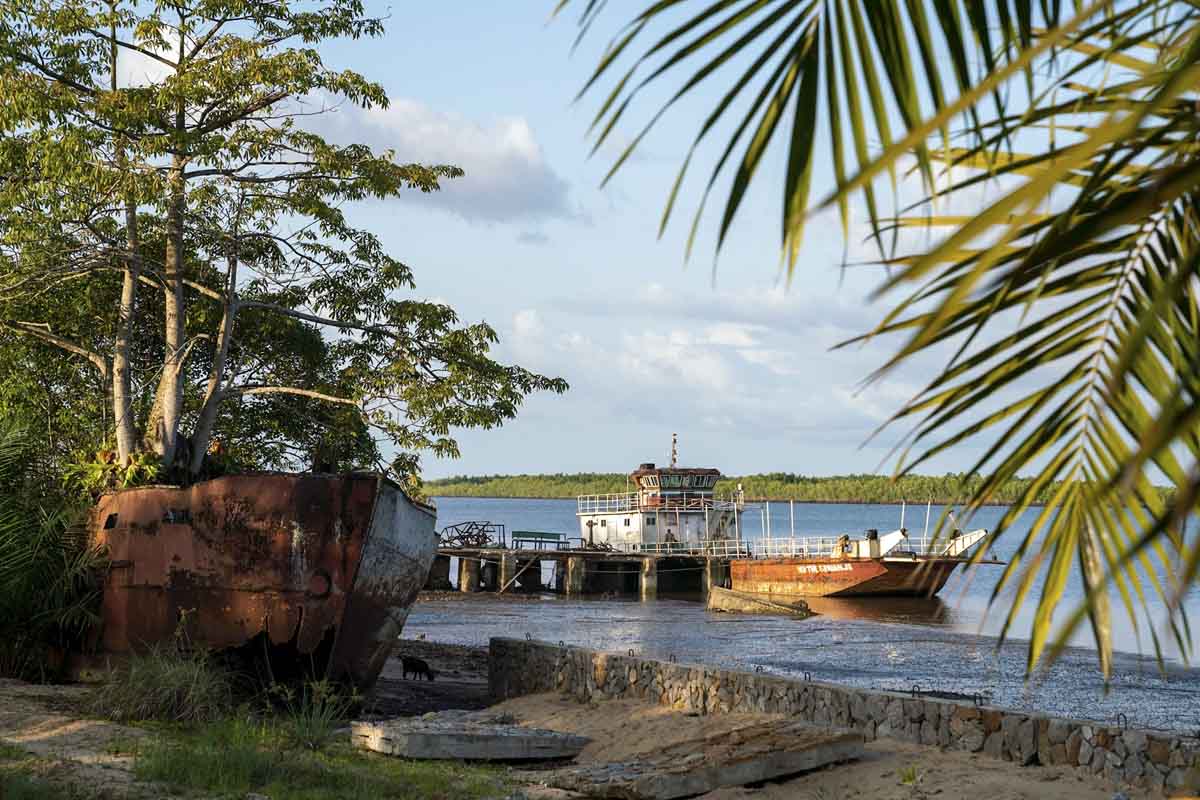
x=910, y=610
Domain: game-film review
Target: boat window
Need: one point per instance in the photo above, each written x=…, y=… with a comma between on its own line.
x=649, y=521
x=603, y=523
x=110, y=522
x=627, y=522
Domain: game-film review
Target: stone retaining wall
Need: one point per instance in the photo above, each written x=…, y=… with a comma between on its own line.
x=1156, y=760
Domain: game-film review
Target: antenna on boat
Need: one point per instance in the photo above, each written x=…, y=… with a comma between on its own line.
x=674, y=449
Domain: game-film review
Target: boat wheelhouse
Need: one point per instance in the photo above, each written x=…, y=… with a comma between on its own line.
x=672, y=510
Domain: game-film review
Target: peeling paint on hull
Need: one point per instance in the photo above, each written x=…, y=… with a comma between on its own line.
x=848, y=577
x=327, y=565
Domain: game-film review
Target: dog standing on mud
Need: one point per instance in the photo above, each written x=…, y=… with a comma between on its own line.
x=417, y=667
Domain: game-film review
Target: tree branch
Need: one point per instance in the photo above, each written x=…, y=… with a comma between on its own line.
x=244, y=390
x=336, y=323
x=35, y=330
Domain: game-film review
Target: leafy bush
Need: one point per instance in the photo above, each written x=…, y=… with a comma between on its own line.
x=167, y=685
x=102, y=472
x=49, y=570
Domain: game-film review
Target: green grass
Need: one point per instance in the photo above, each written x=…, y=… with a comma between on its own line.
x=234, y=757
x=165, y=685
x=11, y=752
x=26, y=777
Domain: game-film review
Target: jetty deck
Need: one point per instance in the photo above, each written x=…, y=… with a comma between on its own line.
x=578, y=570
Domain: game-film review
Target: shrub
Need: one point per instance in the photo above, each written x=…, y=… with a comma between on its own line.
x=49, y=569
x=313, y=713
x=167, y=685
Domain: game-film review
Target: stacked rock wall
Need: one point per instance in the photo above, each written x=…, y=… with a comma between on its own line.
x=1156, y=760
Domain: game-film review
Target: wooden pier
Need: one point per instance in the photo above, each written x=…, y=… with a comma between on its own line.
x=578, y=571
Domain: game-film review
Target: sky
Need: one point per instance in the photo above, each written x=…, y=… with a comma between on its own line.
x=733, y=357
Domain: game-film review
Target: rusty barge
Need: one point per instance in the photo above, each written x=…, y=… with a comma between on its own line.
x=308, y=572
x=887, y=565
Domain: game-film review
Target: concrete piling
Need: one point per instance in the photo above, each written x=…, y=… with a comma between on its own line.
x=576, y=571
x=468, y=574
x=715, y=573
x=649, y=578
x=508, y=570
x=439, y=574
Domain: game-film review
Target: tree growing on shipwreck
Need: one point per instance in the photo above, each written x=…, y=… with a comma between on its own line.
x=183, y=238
x=182, y=242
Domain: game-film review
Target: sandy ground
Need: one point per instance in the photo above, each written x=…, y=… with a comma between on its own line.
x=621, y=729
x=43, y=721
x=461, y=681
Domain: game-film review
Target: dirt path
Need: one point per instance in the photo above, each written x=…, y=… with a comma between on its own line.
x=44, y=722
x=890, y=770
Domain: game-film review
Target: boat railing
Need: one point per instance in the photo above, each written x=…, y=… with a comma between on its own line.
x=717, y=548
x=796, y=546
x=607, y=503
x=633, y=502
x=829, y=546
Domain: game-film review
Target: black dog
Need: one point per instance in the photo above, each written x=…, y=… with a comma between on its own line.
x=417, y=667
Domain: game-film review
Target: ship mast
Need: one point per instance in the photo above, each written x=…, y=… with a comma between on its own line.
x=674, y=450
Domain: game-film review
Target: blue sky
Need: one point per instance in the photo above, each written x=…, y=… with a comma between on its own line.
x=577, y=283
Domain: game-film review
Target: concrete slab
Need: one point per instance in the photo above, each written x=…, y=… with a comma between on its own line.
x=750, y=754
x=467, y=735
x=742, y=603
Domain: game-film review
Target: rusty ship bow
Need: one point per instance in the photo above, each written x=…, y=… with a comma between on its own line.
x=314, y=572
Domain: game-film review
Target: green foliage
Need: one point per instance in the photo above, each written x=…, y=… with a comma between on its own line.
x=940, y=489
x=166, y=685
x=185, y=245
x=1052, y=263
x=313, y=712
x=237, y=756
x=23, y=785
x=909, y=776
x=49, y=570
x=103, y=472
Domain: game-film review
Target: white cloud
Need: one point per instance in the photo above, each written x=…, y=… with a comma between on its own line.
x=729, y=334
x=507, y=177
x=136, y=69
x=527, y=324
x=535, y=238
x=675, y=361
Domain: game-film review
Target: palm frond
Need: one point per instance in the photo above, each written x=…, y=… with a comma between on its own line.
x=1067, y=308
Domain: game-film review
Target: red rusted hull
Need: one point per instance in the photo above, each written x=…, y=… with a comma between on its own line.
x=850, y=577
x=325, y=566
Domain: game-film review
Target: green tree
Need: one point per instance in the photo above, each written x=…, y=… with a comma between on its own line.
x=1076, y=121
x=224, y=217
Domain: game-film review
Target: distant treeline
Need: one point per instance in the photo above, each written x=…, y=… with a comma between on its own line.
x=949, y=488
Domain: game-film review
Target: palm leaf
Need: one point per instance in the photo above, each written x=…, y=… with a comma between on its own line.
x=1067, y=309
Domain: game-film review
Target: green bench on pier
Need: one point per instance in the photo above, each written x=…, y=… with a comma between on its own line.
x=538, y=540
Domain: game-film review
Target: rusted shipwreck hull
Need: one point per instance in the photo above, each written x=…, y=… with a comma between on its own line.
x=315, y=572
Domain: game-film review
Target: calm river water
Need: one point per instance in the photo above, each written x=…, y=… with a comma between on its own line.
x=948, y=643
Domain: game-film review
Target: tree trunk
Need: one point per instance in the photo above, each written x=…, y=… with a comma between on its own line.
x=123, y=422
x=163, y=425
x=216, y=376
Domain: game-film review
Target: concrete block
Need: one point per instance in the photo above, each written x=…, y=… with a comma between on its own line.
x=464, y=735
x=750, y=754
